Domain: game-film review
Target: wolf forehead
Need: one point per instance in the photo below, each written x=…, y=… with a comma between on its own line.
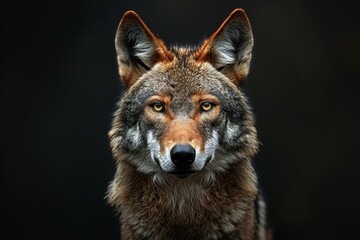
x=180, y=80
x=184, y=76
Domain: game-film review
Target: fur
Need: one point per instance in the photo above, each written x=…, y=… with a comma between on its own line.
x=189, y=97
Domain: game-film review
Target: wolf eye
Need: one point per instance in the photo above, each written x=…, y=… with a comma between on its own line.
x=158, y=107
x=206, y=106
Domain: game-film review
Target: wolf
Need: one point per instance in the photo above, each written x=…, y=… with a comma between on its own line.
x=183, y=136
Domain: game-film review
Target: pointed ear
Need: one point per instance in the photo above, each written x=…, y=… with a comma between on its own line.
x=137, y=48
x=229, y=48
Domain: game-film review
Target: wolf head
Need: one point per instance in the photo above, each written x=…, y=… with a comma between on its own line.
x=183, y=112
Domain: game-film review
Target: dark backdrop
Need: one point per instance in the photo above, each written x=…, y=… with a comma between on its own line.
x=59, y=85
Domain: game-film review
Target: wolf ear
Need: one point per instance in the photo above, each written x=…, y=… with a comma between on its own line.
x=229, y=48
x=137, y=48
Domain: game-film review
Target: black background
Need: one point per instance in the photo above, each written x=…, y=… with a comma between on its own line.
x=59, y=85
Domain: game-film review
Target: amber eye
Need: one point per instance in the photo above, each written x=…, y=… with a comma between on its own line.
x=158, y=107
x=206, y=106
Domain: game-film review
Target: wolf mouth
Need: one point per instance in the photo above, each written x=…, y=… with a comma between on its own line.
x=179, y=172
x=182, y=173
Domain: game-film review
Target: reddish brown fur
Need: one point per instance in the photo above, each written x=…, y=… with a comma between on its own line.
x=182, y=131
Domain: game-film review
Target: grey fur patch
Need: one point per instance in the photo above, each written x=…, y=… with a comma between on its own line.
x=134, y=136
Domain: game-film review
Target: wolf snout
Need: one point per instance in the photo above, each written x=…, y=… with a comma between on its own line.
x=182, y=155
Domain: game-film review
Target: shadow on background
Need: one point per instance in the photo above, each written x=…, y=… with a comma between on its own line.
x=59, y=85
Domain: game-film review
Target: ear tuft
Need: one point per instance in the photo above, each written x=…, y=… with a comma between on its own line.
x=138, y=50
x=229, y=48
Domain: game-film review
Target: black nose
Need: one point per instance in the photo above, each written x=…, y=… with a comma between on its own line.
x=182, y=155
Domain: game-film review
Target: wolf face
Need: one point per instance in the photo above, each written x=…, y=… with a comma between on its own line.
x=183, y=113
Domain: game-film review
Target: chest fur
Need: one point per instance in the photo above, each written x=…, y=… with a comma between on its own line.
x=186, y=210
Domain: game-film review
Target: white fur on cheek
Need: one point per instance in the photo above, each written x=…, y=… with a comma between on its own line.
x=154, y=148
x=209, y=151
x=153, y=145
